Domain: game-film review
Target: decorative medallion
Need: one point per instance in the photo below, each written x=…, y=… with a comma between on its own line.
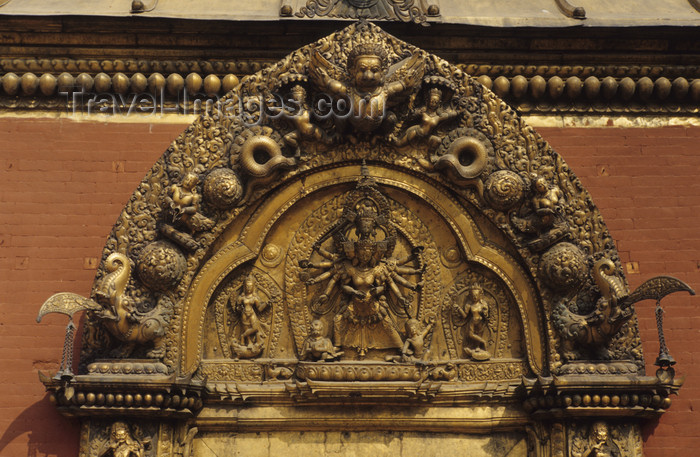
x=504, y=190
x=161, y=265
x=222, y=188
x=563, y=267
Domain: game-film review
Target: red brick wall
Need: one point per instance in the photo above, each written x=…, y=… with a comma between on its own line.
x=62, y=186
x=63, y=183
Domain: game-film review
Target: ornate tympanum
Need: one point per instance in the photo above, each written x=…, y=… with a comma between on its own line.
x=361, y=238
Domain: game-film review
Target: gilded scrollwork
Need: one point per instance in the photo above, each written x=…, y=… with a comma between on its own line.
x=490, y=371
x=416, y=11
x=226, y=371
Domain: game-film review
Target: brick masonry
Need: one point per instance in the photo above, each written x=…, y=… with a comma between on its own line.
x=63, y=183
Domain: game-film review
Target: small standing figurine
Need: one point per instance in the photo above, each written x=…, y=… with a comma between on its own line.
x=249, y=304
x=414, y=347
x=430, y=117
x=121, y=443
x=475, y=312
x=317, y=347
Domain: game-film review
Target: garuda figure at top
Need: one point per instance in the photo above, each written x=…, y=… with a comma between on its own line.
x=372, y=88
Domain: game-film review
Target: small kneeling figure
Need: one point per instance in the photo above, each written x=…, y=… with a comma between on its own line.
x=317, y=347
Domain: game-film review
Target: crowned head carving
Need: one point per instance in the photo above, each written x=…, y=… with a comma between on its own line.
x=367, y=66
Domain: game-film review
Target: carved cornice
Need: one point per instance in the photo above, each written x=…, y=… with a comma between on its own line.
x=40, y=84
x=111, y=392
x=590, y=393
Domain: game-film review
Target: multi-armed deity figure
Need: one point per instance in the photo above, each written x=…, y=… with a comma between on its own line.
x=373, y=86
x=365, y=286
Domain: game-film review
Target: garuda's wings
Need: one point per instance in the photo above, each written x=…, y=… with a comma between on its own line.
x=320, y=70
x=66, y=303
x=408, y=72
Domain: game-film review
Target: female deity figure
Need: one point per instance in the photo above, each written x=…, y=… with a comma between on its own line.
x=363, y=322
x=475, y=312
x=248, y=304
x=121, y=443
